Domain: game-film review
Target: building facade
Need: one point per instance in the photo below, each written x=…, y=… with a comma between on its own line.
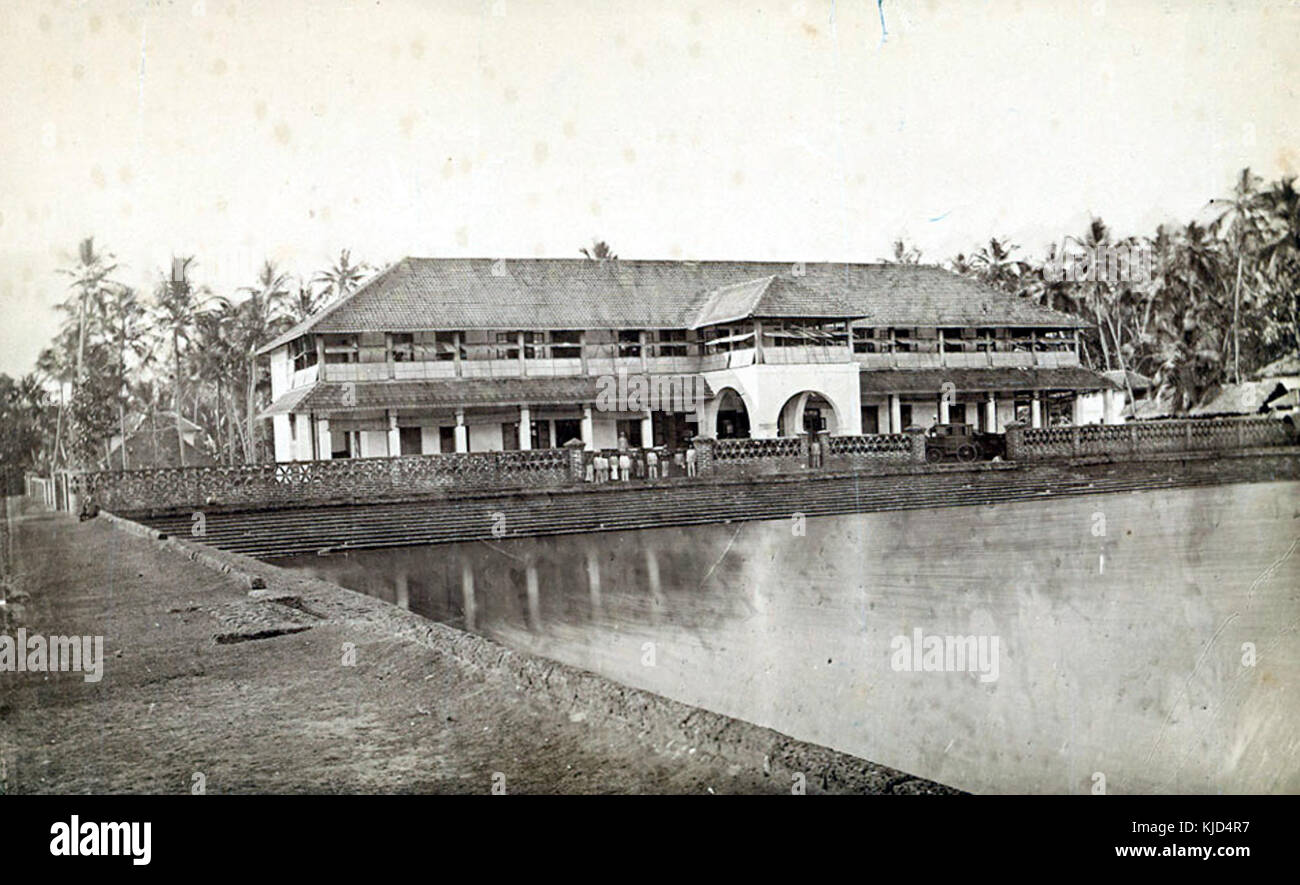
x=457, y=355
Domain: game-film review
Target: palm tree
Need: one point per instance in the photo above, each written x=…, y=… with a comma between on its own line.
x=89, y=277
x=343, y=277
x=125, y=319
x=177, y=304
x=1238, y=218
x=905, y=253
x=261, y=317
x=995, y=267
x=305, y=300
x=599, y=251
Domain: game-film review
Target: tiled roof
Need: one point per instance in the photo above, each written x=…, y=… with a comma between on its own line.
x=558, y=293
x=931, y=381
x=326, y=397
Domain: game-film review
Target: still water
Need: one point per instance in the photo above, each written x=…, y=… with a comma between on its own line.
x=1144, y=641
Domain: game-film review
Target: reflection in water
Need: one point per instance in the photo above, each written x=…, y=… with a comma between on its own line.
x=1132, y=668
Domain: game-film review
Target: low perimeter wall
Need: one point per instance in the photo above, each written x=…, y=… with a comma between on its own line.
x=1142, y=437
x=377, y=478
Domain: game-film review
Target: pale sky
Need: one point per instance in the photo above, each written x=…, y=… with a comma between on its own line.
x=791, y=131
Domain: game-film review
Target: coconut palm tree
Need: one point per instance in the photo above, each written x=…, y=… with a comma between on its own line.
x=125, y=324
x=178, y=301
x=598, y=251
x=343, y=277
x=1237, y=222
x=261, y=316
x=89, y=277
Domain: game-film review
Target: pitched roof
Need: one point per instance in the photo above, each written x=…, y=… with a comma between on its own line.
x=417, y=294
x=443, y=393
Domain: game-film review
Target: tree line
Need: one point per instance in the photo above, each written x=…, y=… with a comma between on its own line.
x=123, y=360
x=1222, y=299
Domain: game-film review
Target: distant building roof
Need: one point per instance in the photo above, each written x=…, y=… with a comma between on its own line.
x=1245, y=398
x=418, y=294
x=147, y=447
x=1136, y=380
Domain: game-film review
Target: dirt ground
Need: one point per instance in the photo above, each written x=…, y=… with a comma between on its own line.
x=207, y=683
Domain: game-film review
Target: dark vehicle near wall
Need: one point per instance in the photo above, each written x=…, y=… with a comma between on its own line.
x=962, y=442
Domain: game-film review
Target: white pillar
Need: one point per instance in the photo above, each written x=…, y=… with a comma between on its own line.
x=943, y=409
x=647, y=429
x=1036, y=411
x=991, y=414
x=462, y=432
x=394, y=435
x=325, y=443
x=895, y=413
x=1110, y=414
x=588, y=429
x=525, y=428
x=1076, y=409
x=403, y=592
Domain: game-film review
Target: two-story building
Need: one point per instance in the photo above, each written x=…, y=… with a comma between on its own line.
x=453, y=355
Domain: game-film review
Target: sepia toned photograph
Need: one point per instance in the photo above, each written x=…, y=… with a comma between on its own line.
x=485, y=398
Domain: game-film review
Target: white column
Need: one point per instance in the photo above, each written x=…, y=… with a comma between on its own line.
x=895, y=413
x=1110, y=414
x=1076, y=408
x=525, y=428
x=588, y=429
x=991, y=414
x=462, y=432
x=324, y=443
x=1036, y=411
x=647, y=429
x=943, y=409
x=394, y=435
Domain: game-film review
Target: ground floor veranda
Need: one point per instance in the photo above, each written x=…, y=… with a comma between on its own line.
x=384, y=420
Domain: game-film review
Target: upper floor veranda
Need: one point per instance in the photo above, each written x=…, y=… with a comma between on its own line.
x=442, y=354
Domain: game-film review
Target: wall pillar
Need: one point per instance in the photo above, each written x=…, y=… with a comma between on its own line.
x=703, y=455
x=991, y=414
x=324, y=440
x=394, y=435
x=895, y=413
x=462, y=432
x=1036, y=411
x=588, y=429
x=918, y=446
x=403, y=592
x=647, y=429
x=943, y=409
x=525, y=428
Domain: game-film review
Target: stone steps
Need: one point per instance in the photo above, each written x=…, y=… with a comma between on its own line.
x=277, y=533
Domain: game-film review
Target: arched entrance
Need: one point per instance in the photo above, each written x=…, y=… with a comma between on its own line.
x=807, y=412
x=733, y=417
